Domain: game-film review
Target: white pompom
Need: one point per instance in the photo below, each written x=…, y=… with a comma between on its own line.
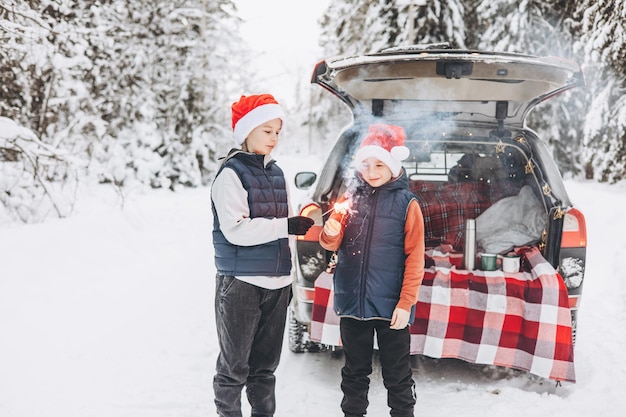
x=400, y=153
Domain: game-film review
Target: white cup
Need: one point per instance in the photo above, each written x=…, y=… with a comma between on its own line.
x=510, y=263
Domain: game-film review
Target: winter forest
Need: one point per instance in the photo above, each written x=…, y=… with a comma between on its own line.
x=137, y=94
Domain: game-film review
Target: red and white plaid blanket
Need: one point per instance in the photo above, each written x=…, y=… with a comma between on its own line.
x=519, y=320
x=324, y=321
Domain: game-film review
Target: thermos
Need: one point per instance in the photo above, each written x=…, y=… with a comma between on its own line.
x=469, y=254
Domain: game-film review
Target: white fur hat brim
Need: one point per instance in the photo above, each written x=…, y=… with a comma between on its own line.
x=255, y=118
x=392, y=159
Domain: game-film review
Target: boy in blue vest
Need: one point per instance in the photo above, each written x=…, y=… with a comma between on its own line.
x=380, y=265
x=251, y=225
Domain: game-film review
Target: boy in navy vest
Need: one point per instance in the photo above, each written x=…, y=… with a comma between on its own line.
x=379, y=239
x=251, y=225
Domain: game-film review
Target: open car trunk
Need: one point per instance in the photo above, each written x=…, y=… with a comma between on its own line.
x=472, y=162
x=460, y=84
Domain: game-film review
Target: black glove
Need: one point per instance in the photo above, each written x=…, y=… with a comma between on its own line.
x=299, y=225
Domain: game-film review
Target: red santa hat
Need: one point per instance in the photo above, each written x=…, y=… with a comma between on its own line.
x=252, y=111
x=386, y=143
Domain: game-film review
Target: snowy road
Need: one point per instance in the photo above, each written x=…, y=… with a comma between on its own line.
x=109, y=314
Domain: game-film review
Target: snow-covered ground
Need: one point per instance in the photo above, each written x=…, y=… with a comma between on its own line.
x=110, y=314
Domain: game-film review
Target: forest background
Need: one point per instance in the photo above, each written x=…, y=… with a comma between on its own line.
x=137, y=94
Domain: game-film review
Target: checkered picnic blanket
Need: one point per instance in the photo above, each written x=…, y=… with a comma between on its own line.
x=519, y=320
x=324, y=321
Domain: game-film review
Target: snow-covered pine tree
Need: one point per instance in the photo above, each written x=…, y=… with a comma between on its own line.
x=197, y=58
x=603, y=24
x=355, y=27
x=127, y=91
x=542, y=28
x=21, y=30
x=351, y=27
x=171, y=71
x=436, y=21
x=38, y=62
x=137, y=91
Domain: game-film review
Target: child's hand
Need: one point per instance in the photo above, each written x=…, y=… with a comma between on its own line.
x=332, y=227
x=399, y=319
x=299, y=225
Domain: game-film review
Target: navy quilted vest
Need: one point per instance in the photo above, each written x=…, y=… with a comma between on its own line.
x=267, y=197
x=370, y=268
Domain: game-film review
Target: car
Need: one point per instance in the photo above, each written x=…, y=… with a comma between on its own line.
x=464, y=114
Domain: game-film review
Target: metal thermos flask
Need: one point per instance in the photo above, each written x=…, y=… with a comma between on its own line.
x=469, y=255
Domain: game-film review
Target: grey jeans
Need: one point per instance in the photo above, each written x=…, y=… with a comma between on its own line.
x=250, y=324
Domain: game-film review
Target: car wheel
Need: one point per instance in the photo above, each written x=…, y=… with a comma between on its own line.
x=296, y=333
x=314, y=347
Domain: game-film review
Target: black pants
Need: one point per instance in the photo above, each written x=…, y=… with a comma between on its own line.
x=250, y=324
x=357, y=338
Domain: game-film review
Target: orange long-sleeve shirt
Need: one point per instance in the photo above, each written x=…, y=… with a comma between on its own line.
x=413, y=248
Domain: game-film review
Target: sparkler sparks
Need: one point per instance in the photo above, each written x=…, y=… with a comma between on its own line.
x=341, y=208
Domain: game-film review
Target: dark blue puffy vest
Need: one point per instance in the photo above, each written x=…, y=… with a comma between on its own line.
x=370, y=265
x=267, y=197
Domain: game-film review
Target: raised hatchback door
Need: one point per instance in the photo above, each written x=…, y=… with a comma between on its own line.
x=471, y=85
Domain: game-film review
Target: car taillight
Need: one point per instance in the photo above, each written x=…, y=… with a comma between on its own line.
x=305, y=294
x=574, y=230
x=314, y=211
x=574, y=300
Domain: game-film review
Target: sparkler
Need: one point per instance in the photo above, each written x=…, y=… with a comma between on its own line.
x=341, y=208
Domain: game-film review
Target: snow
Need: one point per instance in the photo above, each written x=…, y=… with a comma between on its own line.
x=110, y=314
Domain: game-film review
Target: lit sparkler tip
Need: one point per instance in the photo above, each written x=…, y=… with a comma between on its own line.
x=341, y=208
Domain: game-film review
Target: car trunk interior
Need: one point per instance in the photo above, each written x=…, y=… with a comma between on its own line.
x=492, y=180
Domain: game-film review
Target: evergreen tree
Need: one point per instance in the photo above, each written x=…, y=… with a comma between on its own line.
x=438, y=21
x=542, y=28
x=20, y=31
x=135, y=90
x=128, y=91
x=603, y=24
x=132, y=92
x=171, y=64
x=38, y=64
x=388, y=25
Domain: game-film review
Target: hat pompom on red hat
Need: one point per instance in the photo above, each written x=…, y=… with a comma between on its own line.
x=385, y=143
x=252, y=111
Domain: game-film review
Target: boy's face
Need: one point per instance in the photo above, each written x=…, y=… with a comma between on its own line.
x=264, y=137
x=375, y=172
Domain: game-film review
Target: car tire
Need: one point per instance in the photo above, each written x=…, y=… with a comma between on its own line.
x=296, y=333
